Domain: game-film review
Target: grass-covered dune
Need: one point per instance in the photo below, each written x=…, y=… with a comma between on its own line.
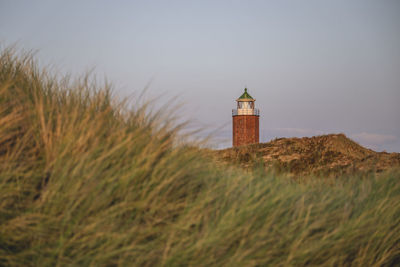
x=331, y=155
x=86, y=182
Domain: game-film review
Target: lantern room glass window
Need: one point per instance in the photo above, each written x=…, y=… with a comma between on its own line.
x=245, y=105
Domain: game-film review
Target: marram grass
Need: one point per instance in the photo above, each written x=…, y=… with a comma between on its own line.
x=84, y=181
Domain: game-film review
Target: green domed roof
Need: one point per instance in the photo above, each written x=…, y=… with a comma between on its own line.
x=245, y=95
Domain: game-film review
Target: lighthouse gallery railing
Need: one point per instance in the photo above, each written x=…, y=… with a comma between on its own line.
x=243, y=111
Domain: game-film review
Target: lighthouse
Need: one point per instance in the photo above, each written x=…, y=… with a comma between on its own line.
x=245, y=121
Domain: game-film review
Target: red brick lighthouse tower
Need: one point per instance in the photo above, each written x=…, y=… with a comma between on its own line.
x=245, y=121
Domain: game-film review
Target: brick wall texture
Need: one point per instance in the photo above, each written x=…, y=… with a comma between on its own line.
x=245, y=129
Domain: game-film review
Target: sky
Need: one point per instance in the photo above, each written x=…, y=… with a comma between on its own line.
x=314, y=67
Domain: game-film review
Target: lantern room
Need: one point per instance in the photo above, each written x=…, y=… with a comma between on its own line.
x=245, y=105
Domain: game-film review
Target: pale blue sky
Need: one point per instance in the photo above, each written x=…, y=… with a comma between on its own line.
x=314, y=66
